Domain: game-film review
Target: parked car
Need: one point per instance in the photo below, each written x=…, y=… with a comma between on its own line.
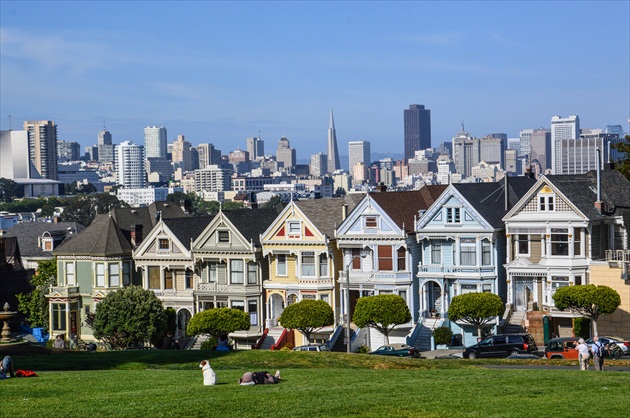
x=502, y=345
x=562, y=348
x=399, y=350
x=606, y=339
x=523, y=357
x=312, y=347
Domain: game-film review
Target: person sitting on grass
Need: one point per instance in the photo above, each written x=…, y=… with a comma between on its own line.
x=6, y=368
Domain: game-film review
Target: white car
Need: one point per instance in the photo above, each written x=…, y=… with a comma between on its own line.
x=312, y=347
x=607, y=339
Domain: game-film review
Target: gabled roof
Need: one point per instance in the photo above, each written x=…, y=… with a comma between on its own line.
x=403, y=207
x=145, y=216
x=327, y=214
x=101, y=238
x=189, y=228
x=581, y=190
x=252, y=222
x=27, y=234
x=488, y=199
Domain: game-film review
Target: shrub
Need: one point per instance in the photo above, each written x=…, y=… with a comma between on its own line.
x=285, y=348
x=442, y=335
x=209, y=344
x=363, y=349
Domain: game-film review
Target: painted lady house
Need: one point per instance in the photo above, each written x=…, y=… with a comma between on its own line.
x=462, y=240
x=228, y=259
x=555, y=233
x=380, y=254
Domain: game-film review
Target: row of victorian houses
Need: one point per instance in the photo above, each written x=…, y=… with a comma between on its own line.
x=521, y=239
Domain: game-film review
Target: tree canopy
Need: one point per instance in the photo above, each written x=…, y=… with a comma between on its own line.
x=382, y=312
x=9, y=190
x=623, y=166
x=307, y=316
x=130, y=316
x=34, y=304
x=218, y=321
x=588, y=300
x=475, y=308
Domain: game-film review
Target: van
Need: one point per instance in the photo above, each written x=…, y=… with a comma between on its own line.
x=502, y=345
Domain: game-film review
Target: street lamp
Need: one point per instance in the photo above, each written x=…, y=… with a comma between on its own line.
x=363, y=254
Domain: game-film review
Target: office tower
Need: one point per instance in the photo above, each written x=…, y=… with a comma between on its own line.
x=104, y=137
x=106, y=153
x=417, y=126
x=208, y=155
x=540, y=148
x=15, y=160
x=286, y=155
x=563, y=131
x=68, y=150
x=514, y=143
x=526, y=142
x=445, y=168
x=91, y=152
x=129, y=161
x=182, y=156
x=239, y=160
x=511, y=162
x=580, y=155
x=615, y=129
x=491, y=150
x=159, y=169
x=319, y=164
x=333, y=153
x=359, y=152
x=42, y=144
x=155, y=141
x=213, y=179
x=465, y=153
x=256, y=148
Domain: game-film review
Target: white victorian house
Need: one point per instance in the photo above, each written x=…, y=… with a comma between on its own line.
x=380, y=253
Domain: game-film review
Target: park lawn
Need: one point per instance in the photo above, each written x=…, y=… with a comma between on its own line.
x=169, y=383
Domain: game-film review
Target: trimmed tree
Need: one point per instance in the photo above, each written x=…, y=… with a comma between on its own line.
x=589, y=301
x=218, y=321
x=34, y=304
x=307, y=316
x=381, y=312
x=130, y=316
x=476, y=309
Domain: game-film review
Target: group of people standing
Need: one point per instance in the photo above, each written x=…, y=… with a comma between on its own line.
x=584, y=353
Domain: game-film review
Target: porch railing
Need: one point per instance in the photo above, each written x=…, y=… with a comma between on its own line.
x=285, y=338
x=260, y=340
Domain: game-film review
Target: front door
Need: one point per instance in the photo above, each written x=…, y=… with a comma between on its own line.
x=523, y=294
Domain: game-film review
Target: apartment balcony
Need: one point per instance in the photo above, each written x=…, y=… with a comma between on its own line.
x=214, y=287
x=64, y=291
x=394, y=277
x=459, y=270
x=174, y=294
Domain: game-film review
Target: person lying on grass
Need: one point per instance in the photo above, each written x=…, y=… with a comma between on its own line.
x=259, y=378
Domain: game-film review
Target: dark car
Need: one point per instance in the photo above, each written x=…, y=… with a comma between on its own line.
x=399, y=350
x=502, y=345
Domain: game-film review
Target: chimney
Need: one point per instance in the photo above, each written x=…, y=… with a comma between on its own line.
x=598, y=203
x=380, y=188
x=136, y=234
x=344, y=211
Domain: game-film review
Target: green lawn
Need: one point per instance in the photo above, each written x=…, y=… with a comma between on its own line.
x=169, y=383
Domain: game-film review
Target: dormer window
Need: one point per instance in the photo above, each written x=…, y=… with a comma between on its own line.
x=163, y=245
x=453, y=215
x=47, y=244
x=295, y=229
x=545, y=203
x=224, y=236
x=371, y=222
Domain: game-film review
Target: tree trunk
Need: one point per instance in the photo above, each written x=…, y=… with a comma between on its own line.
x=594, y=327
x=479, y=331
x=386, y=335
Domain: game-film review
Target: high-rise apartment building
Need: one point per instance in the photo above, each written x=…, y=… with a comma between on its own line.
x=333, y=152
x=319, y=165
x=417, y=124
x=213, y=179
x=577, y=156
x=155, y=142
x=42, y=145
x=540, y=148
x=68, y=150
x=286, y=155
x=129, y=163
x=256, y=148
x=563, y=131
x=208, y=155
x=359, y=153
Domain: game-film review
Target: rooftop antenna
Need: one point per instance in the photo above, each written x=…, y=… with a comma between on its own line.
x=104, y=123
x=463, y=130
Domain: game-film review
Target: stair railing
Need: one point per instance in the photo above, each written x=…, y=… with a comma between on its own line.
x=260, y=340
x=285, y=338
x=333, y=338
x=410, y=339
x=507, y=315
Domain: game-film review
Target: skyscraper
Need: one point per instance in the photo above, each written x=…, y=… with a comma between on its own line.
x=42, y=145
x=129, y=160
x=563, y=130
x=104, y=137
x=359, y=153
x=318, y=165
x=417, y=121
x=255, y=147
x=182, y=156
x=285, y=154
x=105, y=147
x=155, y=141
x=333, y=153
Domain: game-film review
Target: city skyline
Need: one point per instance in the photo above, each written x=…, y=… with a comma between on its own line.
x=270, y=69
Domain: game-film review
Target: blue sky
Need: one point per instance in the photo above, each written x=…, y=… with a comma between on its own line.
x=221, y=72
